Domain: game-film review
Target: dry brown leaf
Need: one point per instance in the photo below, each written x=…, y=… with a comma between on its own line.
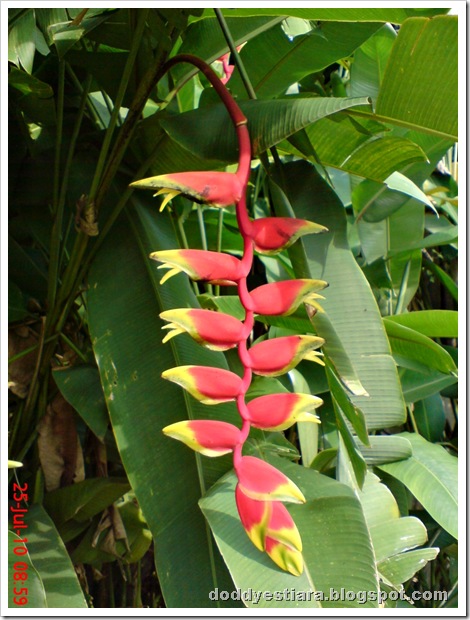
x=60, y=452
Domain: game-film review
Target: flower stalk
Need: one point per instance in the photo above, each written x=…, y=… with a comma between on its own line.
x=261, y=487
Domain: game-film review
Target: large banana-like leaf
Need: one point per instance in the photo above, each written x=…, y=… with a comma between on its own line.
x=36, y=594
x=369, y=64
x=269, y=122
x=432, y=323
x=393, y=536
x=52, y=562
x=336, y=545
x=124, y=301
x=274, y=62
x=431, y=475
x=408, y=83
x=350, y=307
x=394, y=15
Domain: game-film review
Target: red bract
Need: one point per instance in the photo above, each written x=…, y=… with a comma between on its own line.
x=276, y=412
x=218, y=189
x=213, y=330
x=271, y=358
x=273, y=234
x=209, y=437
x=261, y=487
x=209, y=385
x=260, y=480
x=283, y=298
x=199, y=265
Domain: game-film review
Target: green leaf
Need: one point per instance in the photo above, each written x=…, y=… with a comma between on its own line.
x=21, y=47
x=66, y=34
x=25, y=271
x=51, y=560
x=274, y=61
x=432, y=323
x=167, y=478
x=433, y=240
x=324, y=459
x=308, y=432
x=351, y=465
x=16, y=303
x=269, y=122
x=392, y=536
x=423, y=382
x=394, y=15
x=408, y=343
x=408, y=81
x=352, y=413
x=355, y=145
x=33, y=97
x=372, y=210
x=101, y=544
x=431, y=475
x=369, y=64
x=360, y=328
x=89, y=403
x=430, y=417
x=336, y=546
x=35, y=595
x=385, y=449
x=403, y=566
x=446, y=280
x=83, y=500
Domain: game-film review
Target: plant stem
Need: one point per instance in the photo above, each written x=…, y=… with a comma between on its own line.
x=202, y=232
x=58, y=211
x=236, y=57
x=136, y=42
x=220, y=227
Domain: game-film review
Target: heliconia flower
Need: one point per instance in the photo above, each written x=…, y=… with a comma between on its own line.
x=254, y=515
x=284, y=556
x=218, y=189
x=215, y=330
x=227, y=69
x=276, y=412
x=209, y=385
x=214, y=267
x=283, y=298
x=271, y=358
x=260, y=480
x=273, y=234
x=209, y=437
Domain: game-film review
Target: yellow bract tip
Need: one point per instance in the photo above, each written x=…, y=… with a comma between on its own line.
x=308, y=417
x=171, y=194
x=169, y=274
x=314, y=356
x=175, y=331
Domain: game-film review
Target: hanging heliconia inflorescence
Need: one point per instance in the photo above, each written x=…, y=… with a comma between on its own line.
x=261, y=488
